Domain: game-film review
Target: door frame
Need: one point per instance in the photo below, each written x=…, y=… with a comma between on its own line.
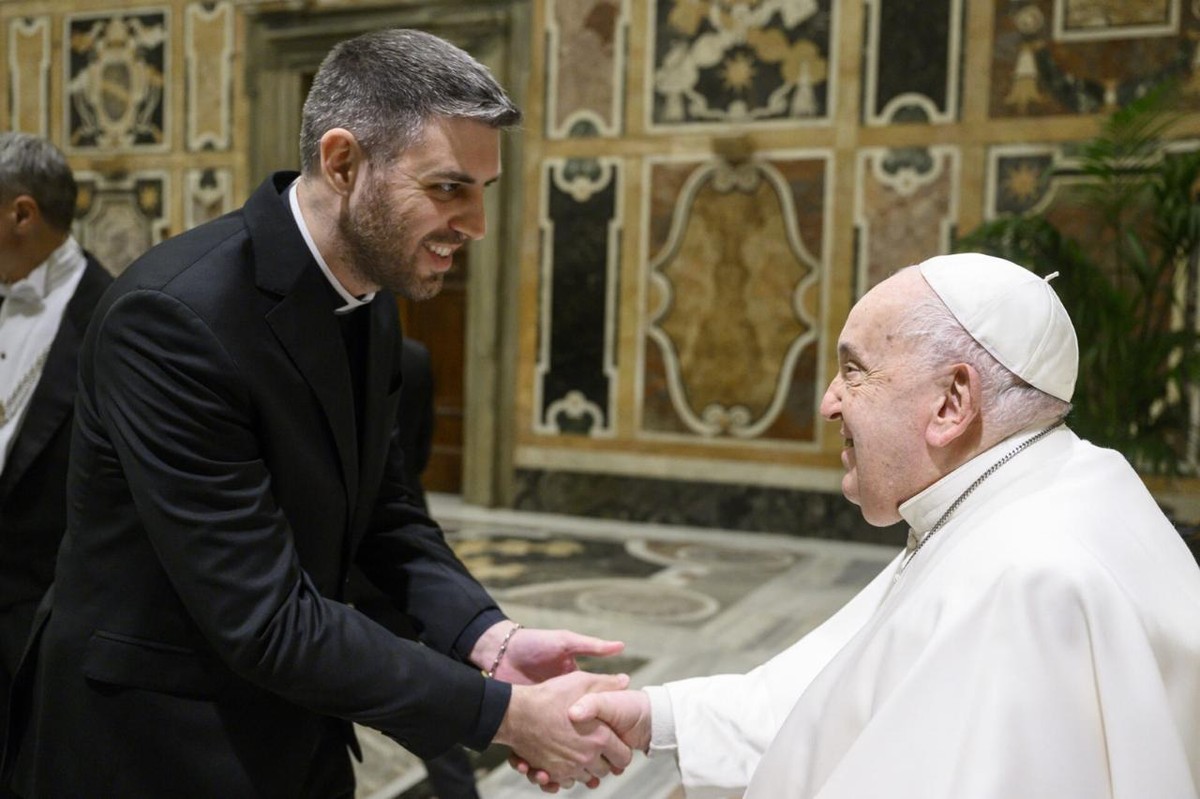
x=282, y=46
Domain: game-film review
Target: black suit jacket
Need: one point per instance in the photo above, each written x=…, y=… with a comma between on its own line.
x=197, y=644
x=33, y=505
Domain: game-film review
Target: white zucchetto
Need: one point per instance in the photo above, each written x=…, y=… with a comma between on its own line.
x=1013, y=314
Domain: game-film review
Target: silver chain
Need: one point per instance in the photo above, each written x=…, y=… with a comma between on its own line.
x=966, y=493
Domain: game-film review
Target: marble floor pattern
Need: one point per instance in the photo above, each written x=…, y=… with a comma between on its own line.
x=686, y=602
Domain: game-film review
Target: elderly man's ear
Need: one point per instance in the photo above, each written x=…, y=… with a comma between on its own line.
x=957, y=407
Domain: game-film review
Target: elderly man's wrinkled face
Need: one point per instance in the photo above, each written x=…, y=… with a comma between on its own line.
x=883, y=399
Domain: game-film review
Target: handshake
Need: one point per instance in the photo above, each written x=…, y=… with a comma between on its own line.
x=564, y=725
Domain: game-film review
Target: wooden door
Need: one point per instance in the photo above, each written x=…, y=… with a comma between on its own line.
x=440, y=324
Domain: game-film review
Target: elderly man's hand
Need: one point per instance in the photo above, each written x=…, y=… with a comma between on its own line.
x=537, y=729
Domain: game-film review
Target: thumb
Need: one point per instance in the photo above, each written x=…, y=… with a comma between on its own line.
x=589, y=706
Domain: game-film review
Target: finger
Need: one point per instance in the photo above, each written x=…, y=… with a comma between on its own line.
x=605, y=682
x=593, y=783
x=616, y=752
x=518, y=764
x=576, y=644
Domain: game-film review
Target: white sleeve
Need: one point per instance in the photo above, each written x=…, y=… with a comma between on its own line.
x=719, y=726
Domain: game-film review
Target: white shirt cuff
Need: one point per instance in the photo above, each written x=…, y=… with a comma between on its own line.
x=662, y=721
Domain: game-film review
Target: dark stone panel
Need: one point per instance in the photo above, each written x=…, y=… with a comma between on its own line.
x=749, y=508
x=116, y=71
x=913, y=58
x=579, y=305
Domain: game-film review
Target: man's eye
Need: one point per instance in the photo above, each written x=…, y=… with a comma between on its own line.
x=447, y=188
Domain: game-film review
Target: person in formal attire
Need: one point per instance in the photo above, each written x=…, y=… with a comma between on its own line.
x=236, y=452
x=1037, y=637
x=450, y=775
x=48, y=288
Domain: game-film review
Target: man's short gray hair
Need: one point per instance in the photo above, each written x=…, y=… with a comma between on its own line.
x=385, y=85
x=1009, y=403
x=31, y=165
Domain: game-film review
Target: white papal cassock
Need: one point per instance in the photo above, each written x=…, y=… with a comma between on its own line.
x=1044, y=643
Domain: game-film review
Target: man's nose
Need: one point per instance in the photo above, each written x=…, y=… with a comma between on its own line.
x=471, y=221
x=831, y=403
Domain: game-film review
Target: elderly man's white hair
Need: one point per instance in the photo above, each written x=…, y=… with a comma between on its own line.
x=1009, y=325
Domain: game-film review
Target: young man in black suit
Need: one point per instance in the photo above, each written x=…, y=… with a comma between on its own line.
x=48, y=288
x=235, y=452
x=450, y=775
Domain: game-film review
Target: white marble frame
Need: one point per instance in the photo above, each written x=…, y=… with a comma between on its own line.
x=29, y=27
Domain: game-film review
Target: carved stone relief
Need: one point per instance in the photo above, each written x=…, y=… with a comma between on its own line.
x=116, y=73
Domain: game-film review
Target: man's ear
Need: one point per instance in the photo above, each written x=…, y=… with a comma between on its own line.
x=25, y=212
x=342, y=160
x=957, y=407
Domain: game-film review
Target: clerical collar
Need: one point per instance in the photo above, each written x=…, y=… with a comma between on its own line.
x=923, y=510
x=350, y=301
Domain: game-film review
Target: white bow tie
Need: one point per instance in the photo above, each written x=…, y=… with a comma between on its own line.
x=23, y=296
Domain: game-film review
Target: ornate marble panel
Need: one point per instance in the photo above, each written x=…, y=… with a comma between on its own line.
x=208, y=50
x=740, y=62
x=1054, y=57
x=576, y=382
x=209, y=194
x=732, y=317
x=1019, y=178
x=119, y=218
x=905, y=209
x=912, y=71
x=1109, y=19
x=585, y=67
x=28, y=48
x=116, y=67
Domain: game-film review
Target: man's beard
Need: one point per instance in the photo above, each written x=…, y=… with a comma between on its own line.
x=380, y=247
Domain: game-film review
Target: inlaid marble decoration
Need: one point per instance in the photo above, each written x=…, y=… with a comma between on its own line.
x=209, y=51
x=209, y=194
x=1107, y=19
x=116, y=68
x=1019, y=178
x=906, y=208
x=732, y=317
x=740, y=62
x=119, y=218
x=29, y=74
x=575, y=381
x=585, y=67
x=911, y=74
x=1054, y=57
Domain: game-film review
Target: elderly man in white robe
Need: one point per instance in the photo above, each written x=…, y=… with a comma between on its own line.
x=1039, y=638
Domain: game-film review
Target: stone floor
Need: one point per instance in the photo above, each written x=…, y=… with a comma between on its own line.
x=686, y=601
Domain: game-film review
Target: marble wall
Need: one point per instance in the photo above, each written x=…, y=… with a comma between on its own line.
x=719, y=180
x=141, y=97
x=707, y=186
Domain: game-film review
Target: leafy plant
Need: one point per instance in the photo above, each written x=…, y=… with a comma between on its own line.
x=1125, y=244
